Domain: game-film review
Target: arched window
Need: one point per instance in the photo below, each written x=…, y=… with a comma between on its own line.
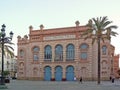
x=83, y=55
x=84, y=46
x=104, y=64
x=104, y=50
x=83, y=50
x=35, y=49
x=48, y=53
x=58, y=53
x=36, y=57
x=70, y=52
x=36, y=53
x=21, y=53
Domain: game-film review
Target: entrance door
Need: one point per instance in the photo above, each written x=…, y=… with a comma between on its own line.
x=47, y=74
x=58, y=73
x=70, y=73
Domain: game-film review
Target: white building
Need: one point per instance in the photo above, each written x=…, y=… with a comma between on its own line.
x=9, y=64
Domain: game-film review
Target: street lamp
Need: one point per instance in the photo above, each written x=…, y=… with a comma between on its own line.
x=3, y=40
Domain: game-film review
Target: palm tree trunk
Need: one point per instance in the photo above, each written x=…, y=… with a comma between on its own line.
x=99, y=64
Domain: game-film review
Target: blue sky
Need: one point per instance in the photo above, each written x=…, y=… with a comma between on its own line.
x=18, y=15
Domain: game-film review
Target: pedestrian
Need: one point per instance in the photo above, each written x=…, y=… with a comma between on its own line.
x=113, y=79
x=80, y=80
x=74, y=78
x=110, y=78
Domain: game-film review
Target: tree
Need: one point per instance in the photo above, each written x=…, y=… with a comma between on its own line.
x=6, y=73
x=8, y=49
x=99, y=29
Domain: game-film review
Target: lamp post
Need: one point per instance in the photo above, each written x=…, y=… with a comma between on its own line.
x=3, y=40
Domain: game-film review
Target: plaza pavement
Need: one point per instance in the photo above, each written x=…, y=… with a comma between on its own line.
x=53, y=85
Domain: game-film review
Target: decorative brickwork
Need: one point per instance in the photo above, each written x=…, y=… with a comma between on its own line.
x=61, y=56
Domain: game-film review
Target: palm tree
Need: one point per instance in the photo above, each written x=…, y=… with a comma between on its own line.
x=7, y=43
x=8, y=49
x=99, y=29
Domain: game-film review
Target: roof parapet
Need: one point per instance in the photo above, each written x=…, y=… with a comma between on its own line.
x=41, y=27
x=77, y=23
x=30, y=27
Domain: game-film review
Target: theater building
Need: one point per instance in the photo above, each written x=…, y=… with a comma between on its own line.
x=60, y=54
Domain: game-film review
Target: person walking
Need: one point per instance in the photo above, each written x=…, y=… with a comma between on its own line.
x=113, y=79
x=80, y=80
x=74, y=78
x=110, y=78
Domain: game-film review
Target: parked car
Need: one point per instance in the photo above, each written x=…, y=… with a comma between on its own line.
x=7, y=80
x=14, y=78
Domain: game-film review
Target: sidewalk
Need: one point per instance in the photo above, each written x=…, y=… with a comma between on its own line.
x=53, y=85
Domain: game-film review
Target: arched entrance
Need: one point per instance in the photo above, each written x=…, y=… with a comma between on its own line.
x=70, y=73
x=47, y=74
x=58, y=73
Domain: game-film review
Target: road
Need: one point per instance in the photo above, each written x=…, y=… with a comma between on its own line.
x=53, y=85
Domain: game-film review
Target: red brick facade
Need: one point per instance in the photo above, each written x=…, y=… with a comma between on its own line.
x=116, y=65
x=60, y=54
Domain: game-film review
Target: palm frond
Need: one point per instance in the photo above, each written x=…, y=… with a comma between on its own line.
x=9, y=50
x=86, y=32
x=114, y=33
x=105, y=24
x=7, y=47
x=104, y=19
x=112, y=27
x=100, y=25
